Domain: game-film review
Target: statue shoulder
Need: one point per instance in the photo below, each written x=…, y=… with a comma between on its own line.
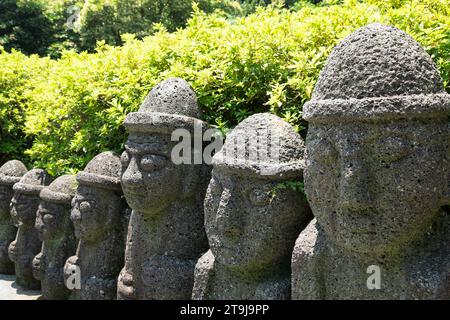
x=306, y=261
x=309, y=244
x=204, y=270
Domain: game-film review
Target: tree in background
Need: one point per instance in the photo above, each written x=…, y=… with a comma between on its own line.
x=37, y=26
x=108, y=19
x=24, y=25
x=63, y=14
x=47, y=28
x=98, y=20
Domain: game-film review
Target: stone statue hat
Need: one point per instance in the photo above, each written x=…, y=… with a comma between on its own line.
x=103, y=171
x=11, y=172
x=33, y=182
x=378, y=72
x=171, y=105
x=61, y=191
x=265, y=146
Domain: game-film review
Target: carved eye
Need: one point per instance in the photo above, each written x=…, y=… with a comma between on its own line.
x=125, y=159
x=153, y=162
x=323, y=151
x=85, y=207
x=391, y=149
x=259, y=197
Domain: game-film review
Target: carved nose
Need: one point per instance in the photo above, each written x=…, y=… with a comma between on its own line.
x=39, y=222
x=75, y=215
x=354, y=193
x=132, y=175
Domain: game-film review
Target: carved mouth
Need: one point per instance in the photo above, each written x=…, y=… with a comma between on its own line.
x=134, y=191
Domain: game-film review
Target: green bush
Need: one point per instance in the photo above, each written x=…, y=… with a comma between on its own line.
x=15, y=73
x=268, y=61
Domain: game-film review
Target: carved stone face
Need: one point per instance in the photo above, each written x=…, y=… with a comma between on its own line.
x=6, y=194
x=50, y=219
x=372, y=186
x=93, y=212
x=151, y=181
x=248, y=221
x=23, y=208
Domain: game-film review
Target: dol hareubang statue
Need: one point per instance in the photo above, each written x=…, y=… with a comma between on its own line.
x=376, y=176
x=166, y=234
x=10, y=173
x=57, y=235
x=27, y=245
x=98, y=214
x=252, y=219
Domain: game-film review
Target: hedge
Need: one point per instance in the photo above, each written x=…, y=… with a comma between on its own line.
x=16, y=75
x=268, y=61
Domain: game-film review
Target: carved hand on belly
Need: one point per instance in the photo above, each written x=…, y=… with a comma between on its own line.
x=38, y=269
x=12, y=253
x=125, y=289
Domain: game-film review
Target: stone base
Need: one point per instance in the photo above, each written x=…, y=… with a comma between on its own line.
x=9, y=290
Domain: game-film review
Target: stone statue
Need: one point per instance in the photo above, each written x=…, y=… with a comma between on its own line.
x=10, y=173
x=27, y=245
x=100, y=225
x=57, y=235
x=253, y=213
x=166, y=234
x=376, y=175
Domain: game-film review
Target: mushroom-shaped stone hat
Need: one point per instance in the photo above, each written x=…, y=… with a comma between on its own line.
x=103, y=171
x=33, y=182
x=378, y=72
x=265, y=146
x=60, y=191
x=11, y=172
x=171, y=105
